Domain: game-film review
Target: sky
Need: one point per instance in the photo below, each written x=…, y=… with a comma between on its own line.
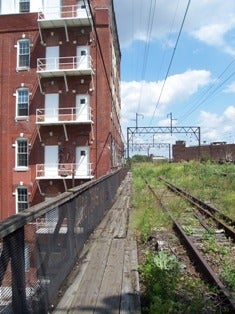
x=178, y=60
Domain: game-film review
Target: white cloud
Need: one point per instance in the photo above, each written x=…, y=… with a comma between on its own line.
x=142, y=97
x=230, y=114
x=207, y=20
x=212, y=34
x=215, y=127
x=230, y=88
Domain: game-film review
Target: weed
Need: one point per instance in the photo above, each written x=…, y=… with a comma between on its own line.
x=188, y=230
x=160, y=275
x=212, y=246
x=228, y=274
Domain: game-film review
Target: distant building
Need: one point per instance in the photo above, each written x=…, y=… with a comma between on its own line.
x=60, y=98
x=216, y=151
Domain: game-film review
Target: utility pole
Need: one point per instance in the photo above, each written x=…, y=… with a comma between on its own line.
x=171, y=120
x=136, y=119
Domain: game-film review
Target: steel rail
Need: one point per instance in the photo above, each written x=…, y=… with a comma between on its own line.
x=206, y=209
x=194, y=254
x=203, y=267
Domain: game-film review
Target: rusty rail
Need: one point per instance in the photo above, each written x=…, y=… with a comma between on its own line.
x=223, y=221
x=202, y=265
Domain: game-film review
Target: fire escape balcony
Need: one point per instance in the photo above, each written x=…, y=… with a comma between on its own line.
x=64, y=116
x=56, y=67
x=64, y=16
x=64, y=171
x=63, y=67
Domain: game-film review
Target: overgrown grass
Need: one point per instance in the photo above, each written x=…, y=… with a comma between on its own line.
x=210, y=182
x=168, y=290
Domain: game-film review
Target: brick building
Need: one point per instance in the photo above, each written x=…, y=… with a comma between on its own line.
x=60, y=98
x=216, y=151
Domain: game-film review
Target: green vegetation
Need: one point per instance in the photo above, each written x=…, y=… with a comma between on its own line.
x=166, y=289
x=211, y=182
x=160, y=275
x=211, y=245
x=228, y=274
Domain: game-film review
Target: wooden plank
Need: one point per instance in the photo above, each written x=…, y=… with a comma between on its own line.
x=110, y=291
x=107, y=278
x=86, y=294
x=91, y=271
x=130, y=301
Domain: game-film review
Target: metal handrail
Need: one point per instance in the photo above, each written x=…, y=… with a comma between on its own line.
x=63, y=170
x=64, y=63
x=63, y=12
x=56, y=115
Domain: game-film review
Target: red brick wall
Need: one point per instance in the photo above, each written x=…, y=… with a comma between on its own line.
x=219, y=152
x=15, y=27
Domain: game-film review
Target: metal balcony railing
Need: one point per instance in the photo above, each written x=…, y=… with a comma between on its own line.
x=70, y=115
x=64, y=171
x=67, y=12
x=65, y=65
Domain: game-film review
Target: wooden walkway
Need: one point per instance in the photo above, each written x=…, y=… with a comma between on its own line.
x=106, y=279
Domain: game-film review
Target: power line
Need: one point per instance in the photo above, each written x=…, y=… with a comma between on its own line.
x=172, y=57
x=146, y=50
x=206, y=95
x=171, y=28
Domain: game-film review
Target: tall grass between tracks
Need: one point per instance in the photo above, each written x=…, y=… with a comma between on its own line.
x=167, y=289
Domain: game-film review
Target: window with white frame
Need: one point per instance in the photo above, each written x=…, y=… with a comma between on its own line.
x=21, y=153
x=23, y=54
x=21, y=198
x=24, y=6
x=22, y=102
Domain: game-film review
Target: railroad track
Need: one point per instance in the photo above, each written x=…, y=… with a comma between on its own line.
x=191, y=243
x=223, y=221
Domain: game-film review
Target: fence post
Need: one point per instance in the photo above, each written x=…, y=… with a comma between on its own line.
x=16, y=243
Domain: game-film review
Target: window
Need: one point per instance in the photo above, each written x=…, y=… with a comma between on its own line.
x=22, y=198
x=22, y=102
x=24, y=6
x=22, y=153
x=23, y=54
